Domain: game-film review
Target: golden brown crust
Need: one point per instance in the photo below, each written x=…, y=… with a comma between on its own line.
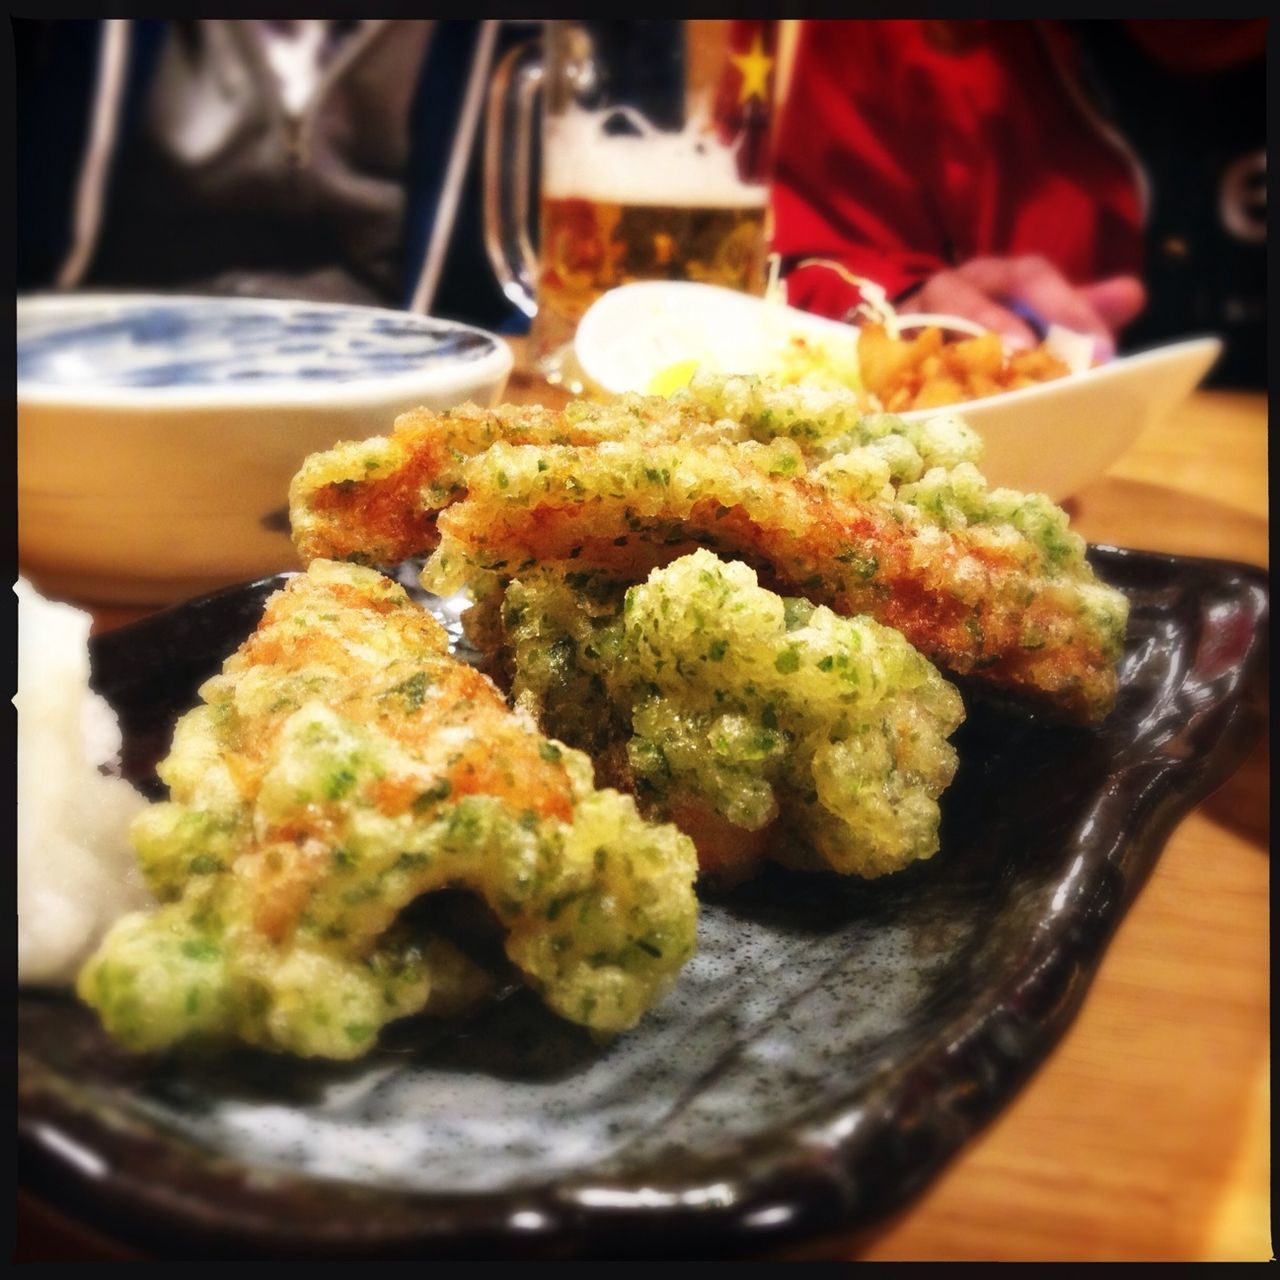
x=931, y=598
x=1000, y=608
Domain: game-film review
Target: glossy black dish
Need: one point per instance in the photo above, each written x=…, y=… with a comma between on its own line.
x=832, y=1044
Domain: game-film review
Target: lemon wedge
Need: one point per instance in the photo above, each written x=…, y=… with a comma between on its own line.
x=673, y=378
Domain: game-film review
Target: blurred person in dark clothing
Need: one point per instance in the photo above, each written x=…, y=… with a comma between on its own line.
x=326, y=159
x=1106, y=175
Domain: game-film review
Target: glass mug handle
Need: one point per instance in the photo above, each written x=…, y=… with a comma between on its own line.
x=508, y=152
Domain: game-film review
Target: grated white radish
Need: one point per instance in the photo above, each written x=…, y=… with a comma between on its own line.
x=76, y=871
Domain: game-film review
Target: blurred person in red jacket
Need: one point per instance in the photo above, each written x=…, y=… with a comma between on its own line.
x=1105, y=175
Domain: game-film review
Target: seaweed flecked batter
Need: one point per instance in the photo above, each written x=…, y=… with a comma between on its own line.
x=340, y=766
x=764, y=726
x=866, y=514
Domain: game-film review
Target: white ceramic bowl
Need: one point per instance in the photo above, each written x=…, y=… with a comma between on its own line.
x=157, y=435
x=1053, y=438
x=1057, y=437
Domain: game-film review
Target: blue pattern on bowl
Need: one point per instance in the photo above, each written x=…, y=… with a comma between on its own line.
x=187, y=342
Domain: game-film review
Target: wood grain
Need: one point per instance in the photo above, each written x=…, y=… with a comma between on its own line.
x=1144, y=1136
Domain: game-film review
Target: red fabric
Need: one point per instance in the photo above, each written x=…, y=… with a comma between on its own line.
x=910, y=146
x=742, y=108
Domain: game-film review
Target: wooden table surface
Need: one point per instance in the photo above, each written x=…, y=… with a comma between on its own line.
x=1146, y=1133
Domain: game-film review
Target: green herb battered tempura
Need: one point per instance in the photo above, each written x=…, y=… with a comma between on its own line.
x=866, y=514
x=737, y=604
x=764, y=726
x=340, y=766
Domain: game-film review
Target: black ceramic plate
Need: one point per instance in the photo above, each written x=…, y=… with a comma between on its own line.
x=831, y=1044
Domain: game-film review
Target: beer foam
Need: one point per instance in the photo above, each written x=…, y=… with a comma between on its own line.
x=689, y=168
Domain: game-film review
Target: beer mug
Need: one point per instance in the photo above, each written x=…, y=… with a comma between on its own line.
x=654, y=165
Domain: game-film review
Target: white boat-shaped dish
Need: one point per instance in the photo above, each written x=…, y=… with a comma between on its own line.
x=1053, y=438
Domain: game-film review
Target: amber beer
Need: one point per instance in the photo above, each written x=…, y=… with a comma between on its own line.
x=654, y=165
x=589, y=246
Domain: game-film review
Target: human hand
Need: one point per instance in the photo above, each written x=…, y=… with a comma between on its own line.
x=993, y=291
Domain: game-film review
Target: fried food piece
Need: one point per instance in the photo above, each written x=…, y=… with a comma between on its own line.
x=924, y=372
x=863, y=513
x=763, y=726
x=823, y=422
x=988, y=583
x=340, y=766
x=375, y=501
